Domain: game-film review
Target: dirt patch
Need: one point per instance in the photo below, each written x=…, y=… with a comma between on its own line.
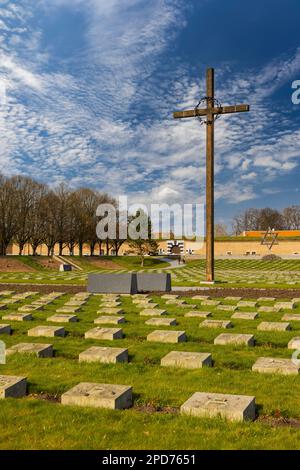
x=149, y=408
x=43, y=288
x=10, y=265
x=45, y=397
x=279, y=422
x=104, y=264
x=48, y=263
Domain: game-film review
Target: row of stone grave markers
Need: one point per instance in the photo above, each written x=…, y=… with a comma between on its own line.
x=233, y=407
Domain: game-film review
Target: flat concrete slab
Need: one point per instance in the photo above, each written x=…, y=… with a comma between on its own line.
x=110, y=304
x=17, y=317
x=233, y=298
x=104, y=355
x=294, y=343
x=170, y=296
x=187, y=360
x=245, y=316
x=247, y=303
x=5, y=330
x=273, y=326
x=234, y=339
x=68, y=310
x=267, y=309
x=30, y=308
x=291, y=317
x=211, y=303
x=212, y=405
x=227, y=308
x=114, y=397
x=109, y=320
x=269, y=365
x=12, y=386
x=167, y=336
x=285, y=305
x=112, y=283
x=104, y=333
x=47, y=331
x=149, y=305
x=38, y=349
x=75, y=303
x=175, y=302
x=161, y=322
x=266, y=299
x=61, y=318
x=152, y=312
x=3, y=306
x=197, y=314
x=111, y=311
x=216, y=324
x=201, y=297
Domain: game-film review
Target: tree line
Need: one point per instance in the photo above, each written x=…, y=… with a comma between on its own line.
x=35, y=214
x=263, y=219
x=32, y=213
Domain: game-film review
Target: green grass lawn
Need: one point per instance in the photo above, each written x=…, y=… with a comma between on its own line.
x=229, y=272
x=39, y=421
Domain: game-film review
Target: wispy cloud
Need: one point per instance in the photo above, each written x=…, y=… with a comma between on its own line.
x=103, y=115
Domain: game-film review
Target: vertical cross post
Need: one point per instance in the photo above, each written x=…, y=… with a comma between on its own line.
x=212, y=110
x=210, y=128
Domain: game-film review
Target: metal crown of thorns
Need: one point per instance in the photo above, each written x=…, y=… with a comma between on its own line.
x=216, y=103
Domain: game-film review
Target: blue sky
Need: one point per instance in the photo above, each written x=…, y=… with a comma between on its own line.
x=90, y=87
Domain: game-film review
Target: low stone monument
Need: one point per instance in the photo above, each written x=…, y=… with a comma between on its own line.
x=114, y=397
x=212, y=405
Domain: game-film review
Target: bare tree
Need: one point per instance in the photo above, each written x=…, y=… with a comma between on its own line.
x=63, y=194
x=38, y=218
x=291, y=217
x=8, y=212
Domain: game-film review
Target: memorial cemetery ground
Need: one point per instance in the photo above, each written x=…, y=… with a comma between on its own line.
x=160, y=381
x=284, y=273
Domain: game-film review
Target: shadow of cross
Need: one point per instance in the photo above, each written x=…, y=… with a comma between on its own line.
x=212, y=111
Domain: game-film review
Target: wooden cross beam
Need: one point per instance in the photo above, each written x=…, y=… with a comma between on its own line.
x=210, y=112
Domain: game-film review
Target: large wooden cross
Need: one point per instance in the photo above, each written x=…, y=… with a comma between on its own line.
x=211, y=111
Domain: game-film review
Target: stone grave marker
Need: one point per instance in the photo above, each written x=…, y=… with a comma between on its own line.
x=247, y=303
x=39, y=350
x=187, y=360
x=235, y=339
x=5, y=329
x=166, y=336
x=197, y=314
x=216, y=324
x=111, y=311
x=227, y=308
x=291, y=317
x=161, y=322
x=285, y=305
x=68, y=310
x=274, y=326
x=62, y=318
x=106, y=320
x=104, y=333
x=17, y=317
x=114, y=397
x=294, y=343
x=245, y=316
x=104, y=355
x=12, y=386
x=212, y=405
x=152, y=312
x=269, y=365
x=48, y=331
